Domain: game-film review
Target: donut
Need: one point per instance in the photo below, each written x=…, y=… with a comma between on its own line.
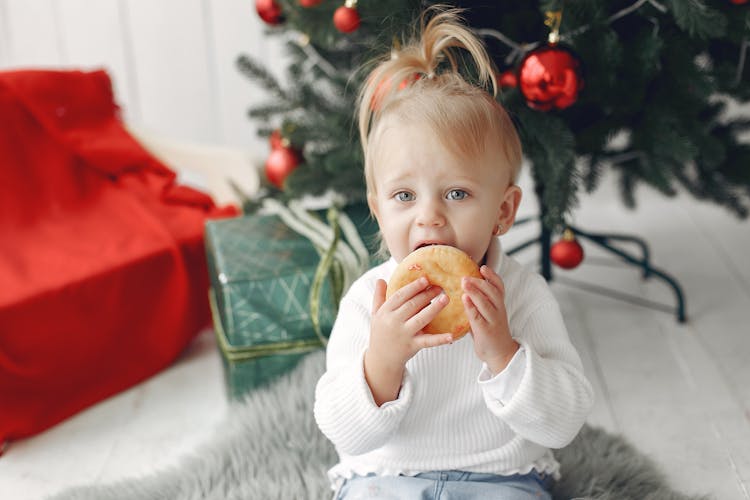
x=444, y=266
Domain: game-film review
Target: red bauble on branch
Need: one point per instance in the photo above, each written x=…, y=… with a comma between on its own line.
x=507, y=79
x=275, y=140
x=269, y=11
x=384, y=87
x=309, y=3
x=282, y=161
x=346, y=18
x=567, y=252
x=550, y=78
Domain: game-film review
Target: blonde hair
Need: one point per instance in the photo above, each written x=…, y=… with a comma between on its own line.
x=415, y=87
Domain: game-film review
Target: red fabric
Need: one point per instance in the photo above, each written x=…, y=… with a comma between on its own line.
x=103, y=277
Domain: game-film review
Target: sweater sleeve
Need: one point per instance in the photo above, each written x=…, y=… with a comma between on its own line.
x=554, y=397
x=502, y=386
x=345, y=410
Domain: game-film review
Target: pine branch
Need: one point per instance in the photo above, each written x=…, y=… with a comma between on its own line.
x=265, y=112
x=712, y=186
x=255, y=71
x=592, y=172
x=699, y=20
x=739, y=126
x=628, y=183
x=551, y=147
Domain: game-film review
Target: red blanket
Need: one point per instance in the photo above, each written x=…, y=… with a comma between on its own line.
x=103, y=277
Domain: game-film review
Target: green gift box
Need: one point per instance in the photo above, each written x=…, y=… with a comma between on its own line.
x=261, y=275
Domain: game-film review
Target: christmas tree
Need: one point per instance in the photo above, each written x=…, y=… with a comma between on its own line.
x=640, y=87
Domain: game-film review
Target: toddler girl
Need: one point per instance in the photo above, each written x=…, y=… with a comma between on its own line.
x=414, y=415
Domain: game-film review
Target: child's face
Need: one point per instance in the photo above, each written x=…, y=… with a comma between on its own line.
x=427, y=195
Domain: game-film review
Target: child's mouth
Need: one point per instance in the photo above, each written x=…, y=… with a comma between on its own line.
x=429, y=244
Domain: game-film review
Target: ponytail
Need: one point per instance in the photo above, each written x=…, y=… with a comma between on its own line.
x=443, y=34
x=422, y=85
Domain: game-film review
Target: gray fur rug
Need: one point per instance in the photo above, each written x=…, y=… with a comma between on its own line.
x=269, y=447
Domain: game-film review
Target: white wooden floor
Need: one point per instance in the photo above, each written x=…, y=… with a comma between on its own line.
x=681, y=393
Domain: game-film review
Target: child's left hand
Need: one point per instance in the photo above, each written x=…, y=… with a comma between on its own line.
x=484, y=302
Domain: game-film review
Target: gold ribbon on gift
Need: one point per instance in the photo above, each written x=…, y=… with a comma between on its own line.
x=327, y=263
x=341, y=261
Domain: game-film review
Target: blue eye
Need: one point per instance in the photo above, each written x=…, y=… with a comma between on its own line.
x=404, y=196
x=457, y=194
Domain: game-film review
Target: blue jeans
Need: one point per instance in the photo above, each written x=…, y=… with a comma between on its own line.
x=447, y=485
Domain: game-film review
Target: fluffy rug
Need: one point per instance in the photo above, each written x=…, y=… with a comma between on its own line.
x=270, y=448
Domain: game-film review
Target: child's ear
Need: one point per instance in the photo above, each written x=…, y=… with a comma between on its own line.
x=509, y=207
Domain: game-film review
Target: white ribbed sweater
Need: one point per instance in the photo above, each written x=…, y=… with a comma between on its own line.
x=444, y=417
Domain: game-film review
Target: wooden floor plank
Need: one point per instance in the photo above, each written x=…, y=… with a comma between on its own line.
x=671, y=394
x=602, y=415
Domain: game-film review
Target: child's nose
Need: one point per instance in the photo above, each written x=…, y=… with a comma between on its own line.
x=430, y=214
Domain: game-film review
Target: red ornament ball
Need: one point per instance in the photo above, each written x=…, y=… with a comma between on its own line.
x=269, y=11
x=738, y=2
x=280, y=163
x=346, y=19
x=566, y=253
x=384, y=87
x=309, y=3
x=507, y=79
x=550, y=78
x=275, y=140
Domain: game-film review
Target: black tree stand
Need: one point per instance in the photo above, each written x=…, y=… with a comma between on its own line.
x=606, y=242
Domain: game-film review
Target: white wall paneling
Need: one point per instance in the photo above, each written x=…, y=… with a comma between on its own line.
x=172, y=62
x=172, y=68
x=3, y=35
x=33, y=35
x=54, y=34
x=238, y=30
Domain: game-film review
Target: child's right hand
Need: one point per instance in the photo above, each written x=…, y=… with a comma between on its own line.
x=396, y=334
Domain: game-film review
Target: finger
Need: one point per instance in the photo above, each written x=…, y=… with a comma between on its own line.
x=422, y=318
x=482, y=303
x=488, y=289
x=425, y=340
x=378, y=298
x=407, y=292
x=417, y=303
x=494, y=278
x=475, y=317
x=484, y=295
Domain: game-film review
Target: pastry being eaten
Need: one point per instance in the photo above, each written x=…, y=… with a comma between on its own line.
x=444, y=266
